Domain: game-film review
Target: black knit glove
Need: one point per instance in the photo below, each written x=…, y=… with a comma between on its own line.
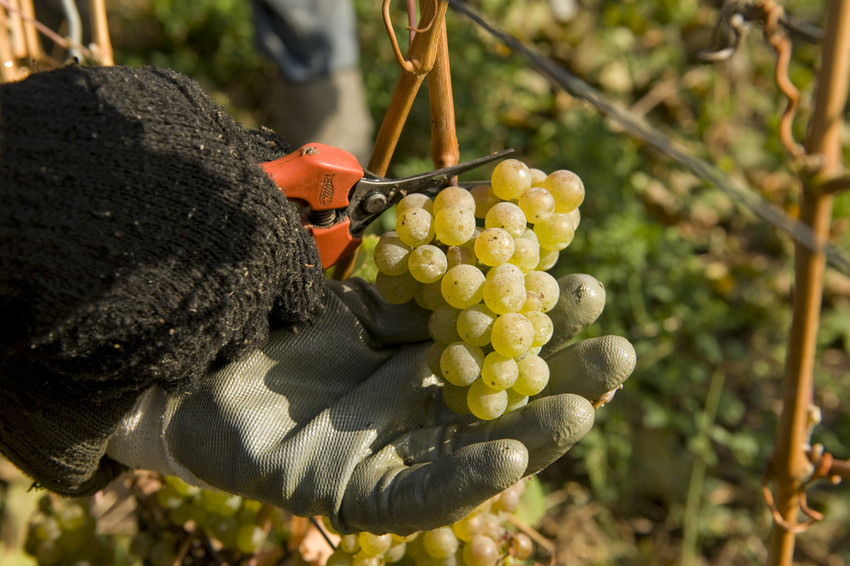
x=140, y=244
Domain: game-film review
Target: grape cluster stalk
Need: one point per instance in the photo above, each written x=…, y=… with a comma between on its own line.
x=478, y=258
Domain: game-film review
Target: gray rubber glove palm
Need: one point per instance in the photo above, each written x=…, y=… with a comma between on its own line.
x=342, y=418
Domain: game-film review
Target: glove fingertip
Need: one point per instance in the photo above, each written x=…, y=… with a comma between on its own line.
x=592, y=367
x=551, y=426
x=433, y=494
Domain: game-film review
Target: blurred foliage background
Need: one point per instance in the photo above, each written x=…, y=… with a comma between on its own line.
x=671, y=473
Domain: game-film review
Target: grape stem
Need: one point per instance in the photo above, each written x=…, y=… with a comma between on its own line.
x=789, y=465
x=444, y=145
x=422, y=55
x=535, y=536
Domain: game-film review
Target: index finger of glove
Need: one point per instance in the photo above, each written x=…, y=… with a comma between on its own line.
x=385, y=495
x=547, y=427
x=592, y=367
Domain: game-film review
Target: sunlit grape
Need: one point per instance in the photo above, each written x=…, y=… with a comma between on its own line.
x=391, y=254
x=461, y=363
x=454, y=197
x=567, y=189
x=494, y=246
x=485, y=402
x=510, y=178
x=463, y=286
x=415, y=227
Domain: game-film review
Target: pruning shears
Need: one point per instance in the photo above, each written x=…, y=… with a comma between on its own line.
x=340, y=199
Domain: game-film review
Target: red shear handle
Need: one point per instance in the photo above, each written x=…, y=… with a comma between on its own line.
x=319, y=175
x=334, y=242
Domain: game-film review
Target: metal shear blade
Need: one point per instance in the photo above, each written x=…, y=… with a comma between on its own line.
x=373, y=195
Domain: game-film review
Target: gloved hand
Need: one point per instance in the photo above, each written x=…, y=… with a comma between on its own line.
x=342, y=418
x=139, y=243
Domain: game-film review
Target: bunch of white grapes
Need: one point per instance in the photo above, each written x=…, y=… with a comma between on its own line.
x=63, y=531
x=478, y=260
x=482, y=538
x=230, y=523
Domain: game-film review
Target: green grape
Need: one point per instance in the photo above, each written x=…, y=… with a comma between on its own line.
x=507, y=216
x=522, y=546
x=537, y=203
x=442, y=325
x=427, y=264
x=225, y=529
x=169, y=498
x=567, y=189
x=515, y=400
x=510, y=178
x=508, y=500
x=543, y=327
x=249, y=538
x=461, y=255
x=47, y=529
x=340, y=558
x=405, y=538
x=526, y=254
x=493, y=527
x=362, y=559
x=454, y=225
x=373, y=545
x=219, y=503
x=463, y=286
x=556, y=232
x=181, y=487
x=440, y=542
x=484, y=199
x=537, y=176
x=504, y=289
x=485, y=402
x=454, y=197
x=349, y=543
x=455, y=398
x=548, y=259
x=430, y=296
x=529, y=234
x=414, y=200
x=575, y=216
x=481, y=551
x=395, y=552
x=461, y=363
x=432, y=358
x=544, y=285
x=498, y=371
x=415, y=227
x=468, y=527
x=326, y=523
x=181, y=515
x=397, y=289
x=533, y=303
x=512, y=335
x=494, y=246
x=475, y=323
x=533, y=375
x=391, y=254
